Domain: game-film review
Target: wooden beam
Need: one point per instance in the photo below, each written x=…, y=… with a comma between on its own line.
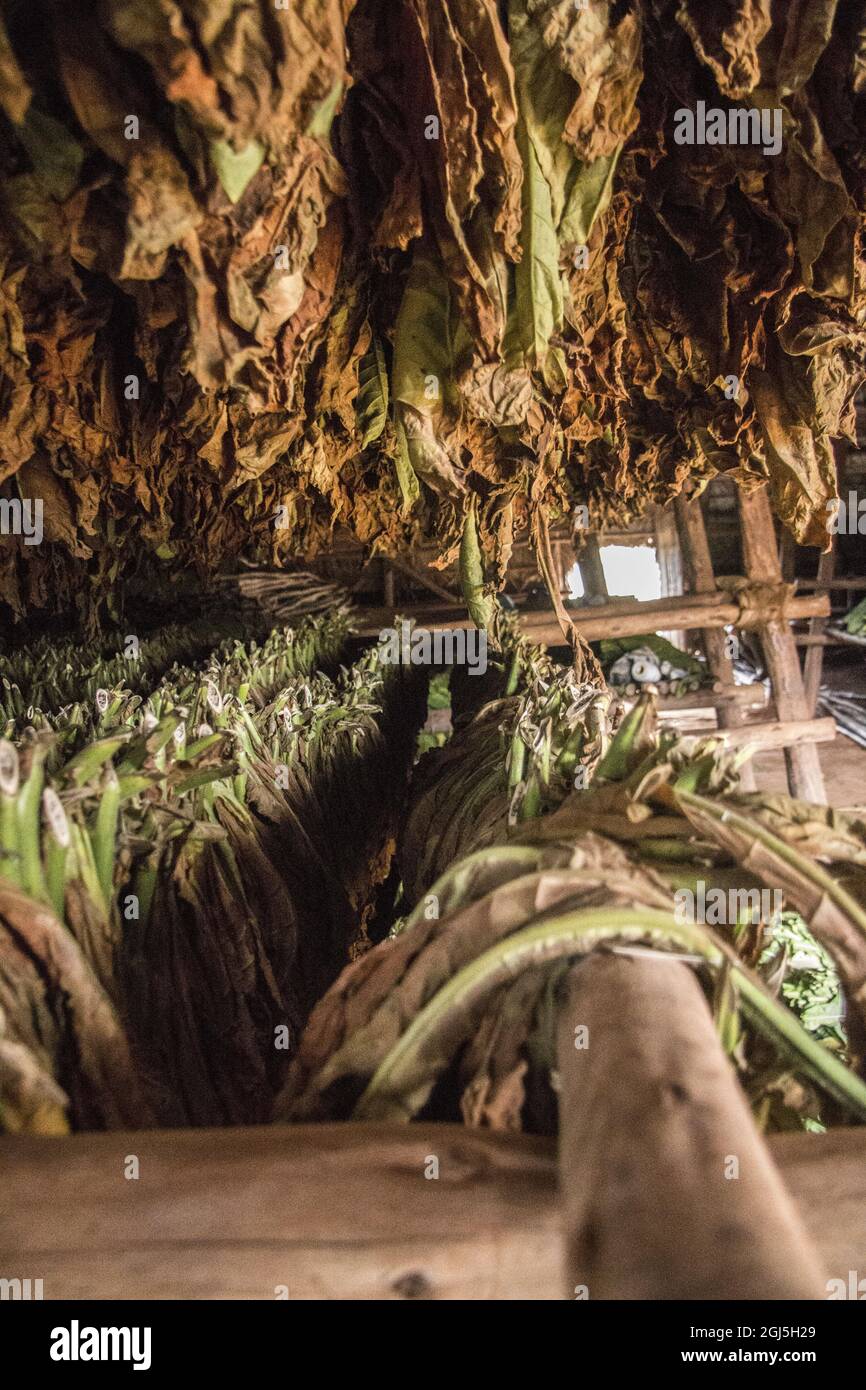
x=617, y=618
x=805, y=779
x=828, y=1183
x=343, y=1211
x=389, y=587
x=632, y=619
x=787, y=555
x=789, y=733
x=668, y=1190
x=743, y=697
x=419, y=577
x=829, y=584
x=337, y=1211
x=669, y=557
x=591, y=569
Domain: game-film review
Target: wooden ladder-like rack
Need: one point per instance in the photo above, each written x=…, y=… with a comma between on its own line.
x=659, y=1186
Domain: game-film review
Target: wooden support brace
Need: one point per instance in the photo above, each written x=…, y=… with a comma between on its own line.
x=667, y=1188
x=631, y=619
x=745, y=696
x=805, y=778
x=788, y=733
x=614, y=619
x=420, y=577
x=591, y=569
x=814, y=662
x=699, y=569
x=827, y=583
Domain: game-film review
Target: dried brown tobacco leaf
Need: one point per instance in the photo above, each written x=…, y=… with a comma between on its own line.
x=53, y=1005
x=604, y=58
x=184, y=312
x=822, y=832
x=727, y=37
x=31, y=1102
x=15, y=92
x=463, y=79
x=493, y=1067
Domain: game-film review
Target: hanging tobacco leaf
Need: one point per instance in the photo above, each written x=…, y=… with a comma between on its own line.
x=232, y=248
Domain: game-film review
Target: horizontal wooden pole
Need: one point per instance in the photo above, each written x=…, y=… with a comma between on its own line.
x=741, y=696
x=827, y=584
x=343, y=1211
x=211, y=1215
x=781, y=733
x=618, y=618
x=336, y=1211
x=662, y=615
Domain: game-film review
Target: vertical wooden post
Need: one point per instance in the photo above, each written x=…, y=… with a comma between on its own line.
x=787, y=556
x=388, y=586
x=814, y=662
x=667, y=1189
x=557, y=553
x=669, y=558
x=591, y=568
x=699, y=569
x=761, y=560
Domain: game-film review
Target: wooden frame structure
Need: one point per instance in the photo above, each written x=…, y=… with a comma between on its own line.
x=663, y=1188
x=708, y=609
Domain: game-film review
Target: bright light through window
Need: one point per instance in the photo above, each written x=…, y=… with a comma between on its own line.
x=574, y=582
x=629, y=570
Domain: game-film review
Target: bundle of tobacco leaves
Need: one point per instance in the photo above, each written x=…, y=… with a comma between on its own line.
x=270, y=269
x=178, y=889
x=287, y=596
x=456, y=1014
x=522, y=740
x=63, y=1050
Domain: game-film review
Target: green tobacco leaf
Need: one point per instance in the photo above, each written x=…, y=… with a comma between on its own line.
x=422, y=346
x=55, y=156
x=479, y=601
x=539, y=302
x=588, y=197
x=371, y=403
x=235, y=168
x=406, y=475
x=562, y=196
x=855, y=622
x=422, y=376
x=323, y=117
x=403, y=1080
x=545, y=97
x=86, y=764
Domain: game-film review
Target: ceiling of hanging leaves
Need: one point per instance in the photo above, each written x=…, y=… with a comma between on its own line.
x=272, y=268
